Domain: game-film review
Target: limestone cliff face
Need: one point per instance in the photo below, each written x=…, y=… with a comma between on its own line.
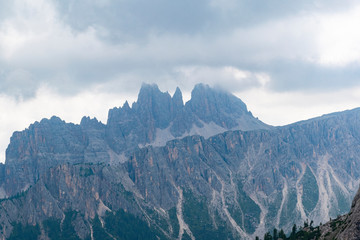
x=307, y=170
x=43, y=145
x=240, y=182
x=157, y=117
x=154, y=119
x=88, y=190
x=48, y=143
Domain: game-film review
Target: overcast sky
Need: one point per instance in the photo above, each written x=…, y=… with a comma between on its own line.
x=287, y=60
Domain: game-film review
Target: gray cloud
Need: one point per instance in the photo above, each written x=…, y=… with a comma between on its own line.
x=117, y=45
x=6, y=9
x=11, y=83
x=303, y=76
x=134, y=18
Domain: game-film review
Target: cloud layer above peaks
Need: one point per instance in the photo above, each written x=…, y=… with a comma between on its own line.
x=116, y=45
x=287, y=60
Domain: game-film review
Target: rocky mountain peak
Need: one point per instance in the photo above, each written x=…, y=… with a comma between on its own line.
x=156, y=117
x=87, y=122
x=54, y=119
x=126, y=105
x=217, y=105
x=149, y=95
x=177, y=98
x=216, y=98
x=153, y=106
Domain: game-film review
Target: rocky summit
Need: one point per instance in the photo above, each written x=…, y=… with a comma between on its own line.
x=162, y=169
x=157, y=117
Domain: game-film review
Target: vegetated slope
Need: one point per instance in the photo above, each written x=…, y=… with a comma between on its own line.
x=345, y=226
x=236, y=184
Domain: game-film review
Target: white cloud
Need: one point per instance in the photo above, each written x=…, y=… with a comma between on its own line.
x=339, y=37
x=289, y=38
x=287, y=107
x=34, y=39
x=31, y=20
x=228, y=77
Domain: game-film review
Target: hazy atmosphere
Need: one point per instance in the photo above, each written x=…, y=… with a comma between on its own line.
x=286, y=60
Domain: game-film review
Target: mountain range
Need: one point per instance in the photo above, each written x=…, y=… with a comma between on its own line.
x=206, y=169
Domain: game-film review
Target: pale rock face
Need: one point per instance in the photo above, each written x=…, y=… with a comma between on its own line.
x=160, y=160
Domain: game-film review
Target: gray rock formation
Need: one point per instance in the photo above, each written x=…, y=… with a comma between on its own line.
x=157, y=117
x=49, y=143
x=154, y=119
x=236, y=184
